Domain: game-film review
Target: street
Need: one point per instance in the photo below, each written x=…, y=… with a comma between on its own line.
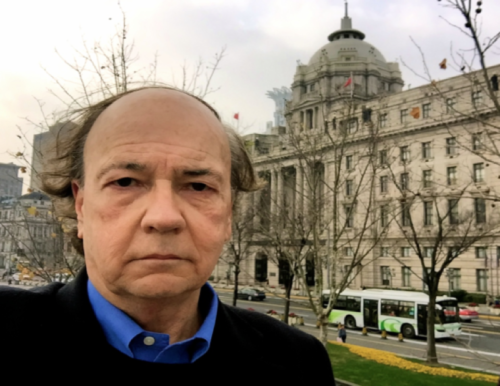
x=478, y=347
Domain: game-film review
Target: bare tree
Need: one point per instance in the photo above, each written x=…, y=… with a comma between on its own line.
x=439, y=220
x=99, y=70
x=238, y=248
x=323, y=218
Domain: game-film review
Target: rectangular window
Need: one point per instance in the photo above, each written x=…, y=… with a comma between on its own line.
x=454, y=278
x=426, y=110
x=349, y=216
x=453, y=252
x=405, y=214
x=480, y=210
x=404, y=181
x=349, y=187
x=426, y=150
x=389, y=307
x=406, y=275
x=403, y=115
x=404, y=154
x=450, y=105
x=481, y=280
x=348, y=303
x=428, y=208
x=480, y=252
x=451, y=175
x=384, y=251
x=428, y=252
x=348, y=162
x=383, y=184
x=384, y=215
x=427, y=178
x=382, y=155
x=476, y=141
x=451, y=146
x=479, y=172
x=453, y=211
x=383, y=120
x=405, y=251
x=477, y=98
x=385, y=274
x=352, y=126
x=348, y=251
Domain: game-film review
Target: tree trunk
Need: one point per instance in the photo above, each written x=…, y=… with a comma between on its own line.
x=235, y=292
x=431, y=336
x=323, y=328
x=288, y=293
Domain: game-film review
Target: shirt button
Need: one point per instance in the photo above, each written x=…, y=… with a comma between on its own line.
x=149, y=341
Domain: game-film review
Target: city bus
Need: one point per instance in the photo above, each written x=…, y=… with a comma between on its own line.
x=394, y=311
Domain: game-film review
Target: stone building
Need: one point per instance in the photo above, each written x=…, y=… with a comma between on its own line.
x=30, y=233
x=10, y=184
x=425, y=142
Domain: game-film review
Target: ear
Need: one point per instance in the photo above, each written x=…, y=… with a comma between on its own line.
x=78, y=197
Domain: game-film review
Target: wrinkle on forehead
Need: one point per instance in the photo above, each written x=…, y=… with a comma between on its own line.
x=189, y=123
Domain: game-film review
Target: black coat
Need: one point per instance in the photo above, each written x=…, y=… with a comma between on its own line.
x=51, y=333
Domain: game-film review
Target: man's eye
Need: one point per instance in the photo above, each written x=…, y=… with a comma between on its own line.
x=124, y=182
x=198, y=186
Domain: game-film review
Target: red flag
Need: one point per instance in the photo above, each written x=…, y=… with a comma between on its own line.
x=348, y=82
x=237, y=116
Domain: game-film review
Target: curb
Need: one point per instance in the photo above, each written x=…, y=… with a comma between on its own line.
x=340, y=382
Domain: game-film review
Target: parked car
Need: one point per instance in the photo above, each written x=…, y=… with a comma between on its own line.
x=467, y=315
x=251, y=294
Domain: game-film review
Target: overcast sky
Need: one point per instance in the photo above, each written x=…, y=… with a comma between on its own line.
x=263, y=40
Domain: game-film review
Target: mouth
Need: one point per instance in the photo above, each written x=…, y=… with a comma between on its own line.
x=161, y=257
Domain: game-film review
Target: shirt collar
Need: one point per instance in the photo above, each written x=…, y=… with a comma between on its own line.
x=119, y=329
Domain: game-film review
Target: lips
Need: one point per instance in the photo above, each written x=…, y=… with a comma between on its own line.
x=161, y=257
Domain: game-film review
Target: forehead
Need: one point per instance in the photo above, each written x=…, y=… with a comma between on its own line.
x=157, y=121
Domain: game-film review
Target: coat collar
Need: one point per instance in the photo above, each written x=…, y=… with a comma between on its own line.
x=234, y=336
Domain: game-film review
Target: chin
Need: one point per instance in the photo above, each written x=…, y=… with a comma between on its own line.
x=161, y=287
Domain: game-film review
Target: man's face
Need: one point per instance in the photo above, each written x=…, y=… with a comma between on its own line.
x=155, y=207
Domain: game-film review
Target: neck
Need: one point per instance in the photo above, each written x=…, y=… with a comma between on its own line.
x=177, y=316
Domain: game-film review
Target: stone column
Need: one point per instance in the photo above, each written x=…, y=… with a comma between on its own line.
x=273, y=192
x=280, y=190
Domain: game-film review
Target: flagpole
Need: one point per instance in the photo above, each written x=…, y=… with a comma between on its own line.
x=352, y=86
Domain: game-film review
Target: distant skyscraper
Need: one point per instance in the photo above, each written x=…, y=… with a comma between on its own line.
x=10, y=184
x=43, y=150
x=280, y=96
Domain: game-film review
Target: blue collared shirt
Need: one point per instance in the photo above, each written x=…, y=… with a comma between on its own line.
x=128, y=337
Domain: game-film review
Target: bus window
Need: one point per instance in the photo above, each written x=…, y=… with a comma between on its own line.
x=353, y=304
x=389, y=307
x=406, y=310
x=341, y=303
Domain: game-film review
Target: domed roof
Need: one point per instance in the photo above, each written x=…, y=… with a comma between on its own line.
x=359, y=48
x=347, y=40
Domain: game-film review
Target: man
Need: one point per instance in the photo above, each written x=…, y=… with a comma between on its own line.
x=150, y=176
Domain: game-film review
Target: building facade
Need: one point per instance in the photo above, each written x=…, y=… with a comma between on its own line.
x=383, y=147
x=30, y=235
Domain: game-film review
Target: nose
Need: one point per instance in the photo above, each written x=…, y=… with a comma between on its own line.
x=163, y=213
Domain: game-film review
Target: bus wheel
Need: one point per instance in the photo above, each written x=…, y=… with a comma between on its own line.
x=408, y=331
x=350, y=322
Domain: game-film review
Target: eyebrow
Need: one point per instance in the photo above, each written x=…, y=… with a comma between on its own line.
x=202, y=172
x=135, y=166
x=121, y=166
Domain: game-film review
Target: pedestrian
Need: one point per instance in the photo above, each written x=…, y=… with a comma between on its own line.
x=342, y=333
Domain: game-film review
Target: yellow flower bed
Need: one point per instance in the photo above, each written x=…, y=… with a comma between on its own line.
x=388, y=358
